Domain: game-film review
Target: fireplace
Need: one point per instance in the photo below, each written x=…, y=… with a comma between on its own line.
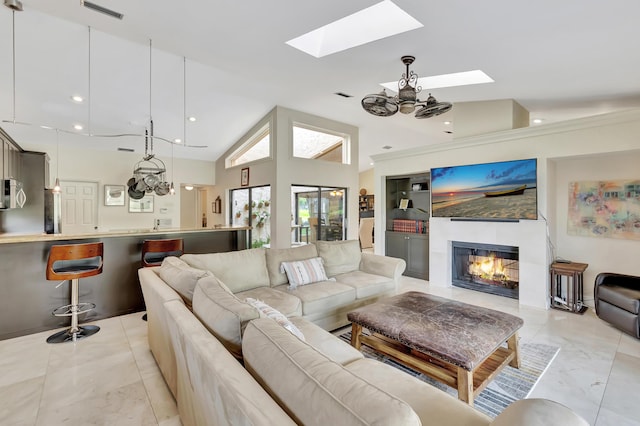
x=486, y=267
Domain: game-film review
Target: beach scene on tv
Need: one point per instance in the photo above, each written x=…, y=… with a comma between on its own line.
x=502, y=190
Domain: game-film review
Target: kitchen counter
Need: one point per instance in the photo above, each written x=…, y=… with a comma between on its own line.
x=25, y=238
x=28, y=298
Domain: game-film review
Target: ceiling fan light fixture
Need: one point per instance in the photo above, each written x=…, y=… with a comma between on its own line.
x=380, y=104
x=406, y=101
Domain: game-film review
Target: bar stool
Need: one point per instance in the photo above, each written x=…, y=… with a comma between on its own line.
x=72, y=262
x=154, y=252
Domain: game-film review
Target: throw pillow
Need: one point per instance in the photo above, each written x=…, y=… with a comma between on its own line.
x=303, y=272
x=181, y=277
x=269, y=312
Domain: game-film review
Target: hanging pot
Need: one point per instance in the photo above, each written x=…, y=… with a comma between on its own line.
x=162, y=188
x=135, y=194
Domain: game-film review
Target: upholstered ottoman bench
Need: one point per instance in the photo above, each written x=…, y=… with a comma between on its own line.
x=455, y=343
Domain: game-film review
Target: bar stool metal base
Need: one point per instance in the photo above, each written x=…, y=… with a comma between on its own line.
x=68, y=336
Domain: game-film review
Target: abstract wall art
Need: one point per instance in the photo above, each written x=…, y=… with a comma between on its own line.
x=609, y=209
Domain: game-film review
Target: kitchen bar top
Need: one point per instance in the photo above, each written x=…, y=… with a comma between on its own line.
x=28, y=298
x=25, y=238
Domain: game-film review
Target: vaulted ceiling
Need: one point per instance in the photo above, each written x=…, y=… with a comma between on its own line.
x=560, y=60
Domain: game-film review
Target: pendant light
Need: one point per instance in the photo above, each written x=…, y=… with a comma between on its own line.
x=56, y=186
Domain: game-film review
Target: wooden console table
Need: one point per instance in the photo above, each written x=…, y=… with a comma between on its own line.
x=574, y=291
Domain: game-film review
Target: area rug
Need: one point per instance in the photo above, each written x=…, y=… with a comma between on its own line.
x=510, y=385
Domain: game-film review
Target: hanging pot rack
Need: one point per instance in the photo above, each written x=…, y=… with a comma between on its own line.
x=149, y=174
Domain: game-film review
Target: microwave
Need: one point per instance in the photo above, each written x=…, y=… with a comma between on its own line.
x=12, y=195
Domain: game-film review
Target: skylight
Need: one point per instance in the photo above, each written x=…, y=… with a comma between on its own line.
x=446, y=80
x=373, y=23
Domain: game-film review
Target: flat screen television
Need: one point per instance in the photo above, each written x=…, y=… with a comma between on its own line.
x=505, y=190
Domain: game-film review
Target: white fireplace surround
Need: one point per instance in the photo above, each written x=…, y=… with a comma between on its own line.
x=530, y=236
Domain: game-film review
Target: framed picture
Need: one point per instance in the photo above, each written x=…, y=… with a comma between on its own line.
x=114, y=195
x=143, y=205
x=244, y=177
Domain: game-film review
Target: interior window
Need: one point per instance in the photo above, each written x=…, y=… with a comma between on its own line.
x=319, y=144
x=256, y=147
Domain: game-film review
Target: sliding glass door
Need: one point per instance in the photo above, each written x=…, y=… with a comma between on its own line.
x=318, y=214
x=252, y=207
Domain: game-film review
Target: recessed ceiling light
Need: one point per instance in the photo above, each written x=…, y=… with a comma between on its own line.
x=344, y=95
x=371, y=164
x=177, y=140
x=447, y=123
x=446, y=80
x=78, y=126
x=537, y=120
x=387, y=147
x=77, y=98
x=373, y=23
x=191, y=119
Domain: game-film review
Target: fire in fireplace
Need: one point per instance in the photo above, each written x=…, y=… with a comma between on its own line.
x=485, y=267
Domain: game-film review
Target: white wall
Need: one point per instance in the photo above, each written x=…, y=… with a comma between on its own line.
x=602, y=254
x=115, y=168
x=367, y=181
x=283, y=170
x=590, y=148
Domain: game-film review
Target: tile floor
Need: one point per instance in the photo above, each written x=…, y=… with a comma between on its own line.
x=112, y=379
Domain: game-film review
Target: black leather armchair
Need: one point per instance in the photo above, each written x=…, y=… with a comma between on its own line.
x=617, y=299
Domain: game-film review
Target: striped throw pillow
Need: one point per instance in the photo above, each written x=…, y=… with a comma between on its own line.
x=303, y=272
x=270, y=312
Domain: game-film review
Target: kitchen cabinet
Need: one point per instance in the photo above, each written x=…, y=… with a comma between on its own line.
x=10, y=160
x=413, y=248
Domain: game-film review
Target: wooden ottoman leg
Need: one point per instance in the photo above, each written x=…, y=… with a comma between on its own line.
x=465, y=386
x=512, y=344
x=356, y=330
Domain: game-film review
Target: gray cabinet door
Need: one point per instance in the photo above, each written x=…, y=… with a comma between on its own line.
x=396, y=245
x=4, y=156
x=413, y=248
x=418, y=260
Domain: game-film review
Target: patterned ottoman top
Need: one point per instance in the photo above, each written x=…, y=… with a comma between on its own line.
x=456, y=332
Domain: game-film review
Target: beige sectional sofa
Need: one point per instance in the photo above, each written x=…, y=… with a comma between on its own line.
x=226, y=365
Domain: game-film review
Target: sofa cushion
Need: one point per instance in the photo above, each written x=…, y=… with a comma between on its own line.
x=275, y=257
x=239, y=270
x=181, y=277
x=222, y=313
x=326, y=343
x=366, y=285
x=340, y=256
x=285, y=302
x=213, y=387
x=307, y=271
x=536, y=412
x=325, y=296
x=433, y=406
x=267, y=311
x=311, y=388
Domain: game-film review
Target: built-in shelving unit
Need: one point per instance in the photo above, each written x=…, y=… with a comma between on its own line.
x=366, y=205
x=407, y=222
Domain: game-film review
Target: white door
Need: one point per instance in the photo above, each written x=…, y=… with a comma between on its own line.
x=79, y=207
